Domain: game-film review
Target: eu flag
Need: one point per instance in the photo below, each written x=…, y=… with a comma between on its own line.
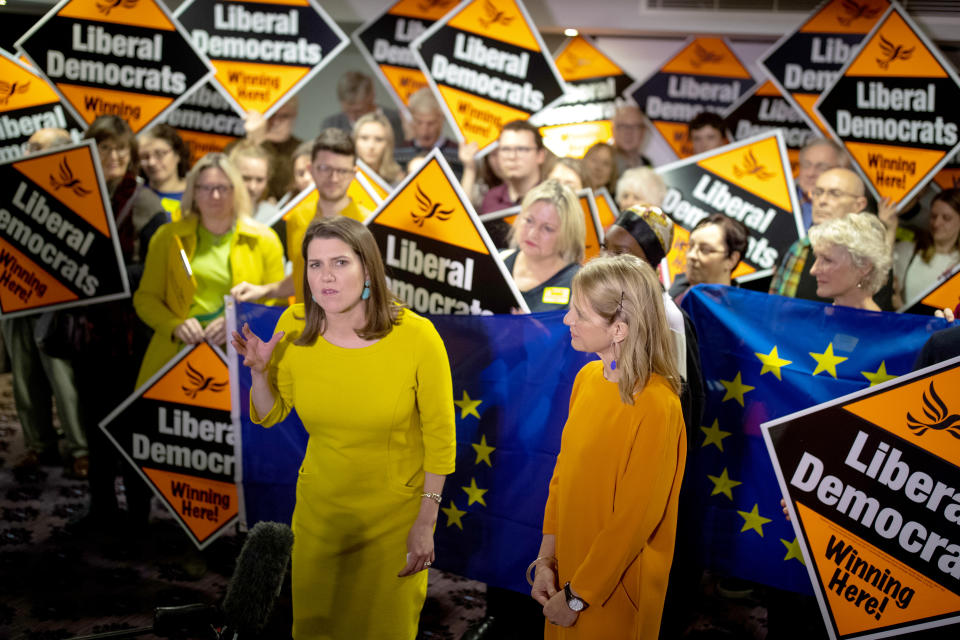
x=764, y=357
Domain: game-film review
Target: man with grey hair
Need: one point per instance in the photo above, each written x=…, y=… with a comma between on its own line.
x=356, y=95
x=629, y=138
x=427, y=128
x=817, y=156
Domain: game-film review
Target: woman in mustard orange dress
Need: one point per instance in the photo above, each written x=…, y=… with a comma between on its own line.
x=611, y=515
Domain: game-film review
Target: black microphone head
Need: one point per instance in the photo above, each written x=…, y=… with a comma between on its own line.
x=257, y=578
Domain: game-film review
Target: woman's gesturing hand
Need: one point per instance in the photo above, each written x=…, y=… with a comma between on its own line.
x=256, y=353
x=419, y=548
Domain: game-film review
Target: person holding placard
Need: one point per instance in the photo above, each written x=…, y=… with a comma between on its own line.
x=852, y=259
x=546, y=246
x=919, y=261
x=371, y=382
x=611, y=514
x=223, y=245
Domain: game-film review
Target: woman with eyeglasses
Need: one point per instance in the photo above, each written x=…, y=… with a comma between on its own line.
x=546, y=246
x=717, y=244
x=611, y=515
x=224, y=247
x=164, y=160
x=113, y=334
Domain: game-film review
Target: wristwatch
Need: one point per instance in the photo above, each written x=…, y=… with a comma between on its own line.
x=575, y=603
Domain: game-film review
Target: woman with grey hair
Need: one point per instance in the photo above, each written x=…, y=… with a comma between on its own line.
x=853, y=259
x=640, y=185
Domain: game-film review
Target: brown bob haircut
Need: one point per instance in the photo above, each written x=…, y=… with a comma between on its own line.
x=383, y=309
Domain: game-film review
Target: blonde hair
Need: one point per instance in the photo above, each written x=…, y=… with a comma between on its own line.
x=624, y=288
x=645, y=181
x=864, y=237
x=388, y=167
x=242, y=207
x=573, y=230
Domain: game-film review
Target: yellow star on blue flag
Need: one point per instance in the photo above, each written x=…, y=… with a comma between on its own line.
x=453, y=515
x=826, y=361
x=483, y=451
x=772, y=362
x=715, y=435
x=878, y=376
x=723, y=484
x=753, y=520
x=468, y=406
x=735, y=389
x=474, y=493
x=793, y=551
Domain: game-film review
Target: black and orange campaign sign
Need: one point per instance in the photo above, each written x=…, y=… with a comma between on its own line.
x=128, y=58
x=439, y=257
x=894, y=108
x=949, y=176
x=806, y=62
x=705, y=75
x=28, y=104
x=372, y=180
x=748, y=180
x=487, y=64
x=206, y=122
x=58, y=242
x=944, y=293
x=385, y=44
x=873, y=488
x=764, y=108
x=584, y=116
x=177, y=432
x=594, y=226
x=264, y=52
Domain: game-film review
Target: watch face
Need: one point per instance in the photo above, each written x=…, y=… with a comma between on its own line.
x=575, y=604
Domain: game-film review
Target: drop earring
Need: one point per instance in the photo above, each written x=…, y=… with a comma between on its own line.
x=366, y=290
x=613, y=363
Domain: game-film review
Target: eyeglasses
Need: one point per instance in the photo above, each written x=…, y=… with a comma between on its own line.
x=836, y=194
x=211, y=189
x=627, y=126
x=157, y=155
x=516, y=151
x=704, y=250
x=108, y=149
x=327, y=170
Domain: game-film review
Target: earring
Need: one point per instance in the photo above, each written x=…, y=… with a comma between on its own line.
x=613, y=363
x=366, y=290
x=314, y=298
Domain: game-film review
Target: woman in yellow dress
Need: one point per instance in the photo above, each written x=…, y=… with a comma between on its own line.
x=611, y=515
x=371, y=383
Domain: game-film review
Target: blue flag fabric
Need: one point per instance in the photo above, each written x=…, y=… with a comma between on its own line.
x=765, y=357
x=512, y=377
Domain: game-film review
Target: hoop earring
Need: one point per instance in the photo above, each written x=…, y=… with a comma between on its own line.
x=366, y=290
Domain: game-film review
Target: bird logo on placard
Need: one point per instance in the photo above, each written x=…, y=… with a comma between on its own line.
x=571, y=64
x=892, y=52
x=200, y=382
x=702, y=56
x=429, y=209
x=66, y=180
x=940, y=417
x=752, y=168
x=106, y=7
x=10, y=89
x=495, y=16
x=856, y=10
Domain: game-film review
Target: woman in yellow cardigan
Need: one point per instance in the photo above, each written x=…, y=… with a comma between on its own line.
x=223, y=246
x=371, y=382
x=611, y=515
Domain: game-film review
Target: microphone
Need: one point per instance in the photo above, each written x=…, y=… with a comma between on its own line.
x=257, y=579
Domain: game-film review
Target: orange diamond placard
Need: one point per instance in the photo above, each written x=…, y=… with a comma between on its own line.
x=177, y=432
x=893, y=107
x=869, y=480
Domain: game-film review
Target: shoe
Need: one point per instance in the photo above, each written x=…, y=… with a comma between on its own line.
x=80, y=469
